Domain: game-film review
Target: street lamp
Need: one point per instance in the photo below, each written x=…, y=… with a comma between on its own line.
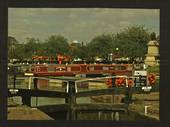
x=117, y=51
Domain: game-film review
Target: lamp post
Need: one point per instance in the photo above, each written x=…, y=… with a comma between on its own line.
x=116, y=54
x=117, y=51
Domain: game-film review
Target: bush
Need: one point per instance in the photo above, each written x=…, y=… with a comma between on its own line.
x=154, y=69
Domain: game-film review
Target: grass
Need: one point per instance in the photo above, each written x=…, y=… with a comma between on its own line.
x=154, y=69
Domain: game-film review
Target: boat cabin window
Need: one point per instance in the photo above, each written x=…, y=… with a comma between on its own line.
x=120, y=68
x=112, y=68
x=105, y=68
x=91, y=68
x=51, y=69
x=75, y=68
x=68, y=68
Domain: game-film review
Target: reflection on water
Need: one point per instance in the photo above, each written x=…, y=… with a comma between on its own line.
x=52, y=85
x=55, y=85
x=27, y=83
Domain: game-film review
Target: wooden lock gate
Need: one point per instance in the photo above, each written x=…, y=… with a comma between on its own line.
x=70, y=96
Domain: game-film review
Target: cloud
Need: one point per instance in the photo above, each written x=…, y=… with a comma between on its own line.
x=125, y=23
x=77, y=23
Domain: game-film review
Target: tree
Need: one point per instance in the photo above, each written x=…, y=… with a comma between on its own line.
x=12, y=47
x=20, y=51
x=78, y=51
x=31, y=47
x=56, y=44
x=100, y=46
x=132, y=41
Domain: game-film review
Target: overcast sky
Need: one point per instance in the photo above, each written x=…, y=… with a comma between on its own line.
x=80, y=24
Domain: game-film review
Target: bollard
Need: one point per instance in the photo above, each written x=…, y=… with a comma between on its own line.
x=29, y=83
x=112, y=115
x=35, y=83
x=100, y=115
x=117, y=117
x=146, y=110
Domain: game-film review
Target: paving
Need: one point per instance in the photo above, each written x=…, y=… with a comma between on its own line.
x=22, y=112
x=140, y=101
x=146, y=104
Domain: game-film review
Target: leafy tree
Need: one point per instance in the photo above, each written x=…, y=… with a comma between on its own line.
x=31, y=47
x=56, y=44
x=78, y=51
x=82, y=52
x=101, y=46
x=11, y=47
x=20, y=51
x=132, y=41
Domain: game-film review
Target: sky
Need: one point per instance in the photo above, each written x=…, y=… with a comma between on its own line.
x=81, y=24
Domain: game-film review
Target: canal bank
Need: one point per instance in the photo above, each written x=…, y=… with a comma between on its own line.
x=146, y=104
x=139, y=100
x=22, y=112
x=136, y=111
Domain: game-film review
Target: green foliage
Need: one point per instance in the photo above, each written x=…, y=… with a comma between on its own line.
x=20, y=51
x=30, y=47
x=78, y=51
x=132, y=41
x=53, y=45
x=101, y=46
x=56, y=44
x=154, y=69
x=12, y=42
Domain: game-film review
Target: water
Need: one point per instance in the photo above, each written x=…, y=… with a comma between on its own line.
x=23, y=83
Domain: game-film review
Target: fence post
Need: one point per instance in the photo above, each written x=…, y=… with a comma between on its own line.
x=29, y=82
x=26, y=100
x=14, y=81
x=35, y=80
x=66, y=86
x=71, y=100
x=128, y=95
x=113, y=80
